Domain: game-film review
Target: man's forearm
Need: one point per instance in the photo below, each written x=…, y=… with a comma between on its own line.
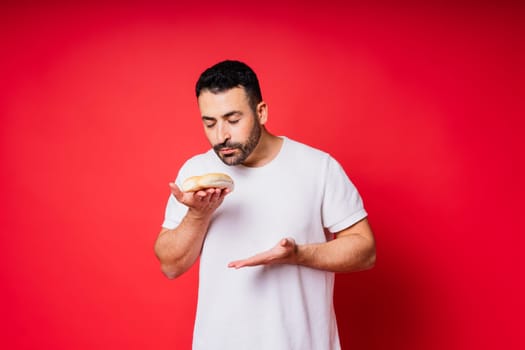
x=352, y=252
x=177, y=249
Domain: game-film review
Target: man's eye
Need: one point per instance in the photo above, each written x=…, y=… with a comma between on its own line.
x=233, y=121
x=209, y=125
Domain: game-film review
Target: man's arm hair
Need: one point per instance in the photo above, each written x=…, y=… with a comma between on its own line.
x=177, y=249
x=353, y=249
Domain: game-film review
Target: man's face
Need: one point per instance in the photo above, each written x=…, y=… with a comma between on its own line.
x=230, y=124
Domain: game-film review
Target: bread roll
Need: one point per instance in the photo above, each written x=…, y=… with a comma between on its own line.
x=211, y=180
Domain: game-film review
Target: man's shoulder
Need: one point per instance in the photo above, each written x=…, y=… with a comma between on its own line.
x=302, y=149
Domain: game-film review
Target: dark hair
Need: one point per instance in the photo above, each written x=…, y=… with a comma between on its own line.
x=227, y=75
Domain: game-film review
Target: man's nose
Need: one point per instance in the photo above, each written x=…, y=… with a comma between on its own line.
x=223, y=132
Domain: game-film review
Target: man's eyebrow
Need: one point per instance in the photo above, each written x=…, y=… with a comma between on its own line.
x=226, y=115
x=229, y=114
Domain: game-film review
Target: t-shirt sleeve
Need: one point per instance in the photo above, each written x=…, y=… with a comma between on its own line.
x=342, y=205
x=175, y=211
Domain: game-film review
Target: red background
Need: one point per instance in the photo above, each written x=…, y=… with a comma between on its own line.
x=422, y=104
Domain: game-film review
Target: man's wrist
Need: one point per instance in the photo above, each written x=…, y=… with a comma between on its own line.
x=194, y=214
x=300, y=253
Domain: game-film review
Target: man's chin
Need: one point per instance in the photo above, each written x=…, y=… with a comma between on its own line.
x=230, y=160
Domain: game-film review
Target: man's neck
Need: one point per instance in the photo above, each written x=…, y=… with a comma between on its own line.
x=266, y=150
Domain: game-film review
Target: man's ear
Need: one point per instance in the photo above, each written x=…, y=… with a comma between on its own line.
x=262, y=112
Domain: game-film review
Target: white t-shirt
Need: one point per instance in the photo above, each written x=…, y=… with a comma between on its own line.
x=279, y=307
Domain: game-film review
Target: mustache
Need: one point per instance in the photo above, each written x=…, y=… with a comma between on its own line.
x=227, y=144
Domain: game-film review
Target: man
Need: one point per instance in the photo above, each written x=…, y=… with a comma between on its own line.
x=269, y=249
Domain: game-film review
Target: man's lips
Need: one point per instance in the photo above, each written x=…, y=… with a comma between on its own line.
x=227, y=151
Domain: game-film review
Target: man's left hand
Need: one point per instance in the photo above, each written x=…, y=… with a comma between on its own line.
x=284, y=252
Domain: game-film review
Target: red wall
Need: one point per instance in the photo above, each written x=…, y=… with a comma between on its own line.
x=423, y=106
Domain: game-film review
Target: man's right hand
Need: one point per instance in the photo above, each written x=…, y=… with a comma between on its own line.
x=201, y=203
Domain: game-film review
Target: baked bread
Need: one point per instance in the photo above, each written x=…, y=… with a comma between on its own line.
x=211, y=180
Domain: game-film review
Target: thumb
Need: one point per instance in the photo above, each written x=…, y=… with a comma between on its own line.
x=175, y=190
x=285, y=242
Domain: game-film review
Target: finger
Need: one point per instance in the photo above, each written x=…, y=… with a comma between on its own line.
x=201, y=193
x=287, y=242
x=223, y=193
x=236, y=264
x=215, y=194
x=243, y=263
x=207, y=191
x=258, y=259
x=175, y=190
x=212, y=192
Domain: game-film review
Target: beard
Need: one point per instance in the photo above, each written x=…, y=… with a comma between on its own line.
x=243, y=150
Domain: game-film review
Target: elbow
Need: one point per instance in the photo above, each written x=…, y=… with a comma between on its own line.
x=169, y=268
x=170, y=272
x=172, y=268
x=168, y=265
x=370, y=260
x=366, y=260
